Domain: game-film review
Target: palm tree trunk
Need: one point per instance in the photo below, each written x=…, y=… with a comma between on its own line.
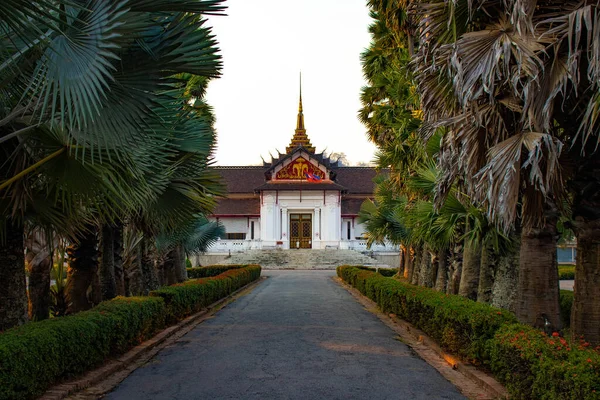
x=486, y=273
x=13, y=293
x=96, y=288
x=585, y=314
x=504, y=290
x=409, y=264
x=161, y=267
x=435, y=265
x=426, y=277
x=134, y=277
x=181, y=270
x=118, y=258
x=401, y=261
x=168, y=267
x=107, y=265
x=174, y=269
x=585, y=186
x=456, y=261
x=83, y=267
x=149, y=272
x=417, y=265
x=469, y=278
x=441, y=280
x=538, y=290
x=39, y=285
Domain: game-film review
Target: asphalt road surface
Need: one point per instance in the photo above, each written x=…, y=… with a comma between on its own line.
x=297, y=335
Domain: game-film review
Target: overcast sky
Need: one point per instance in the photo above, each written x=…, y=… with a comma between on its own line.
x=265, y=44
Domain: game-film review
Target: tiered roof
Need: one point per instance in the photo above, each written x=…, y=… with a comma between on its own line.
x=245, y=183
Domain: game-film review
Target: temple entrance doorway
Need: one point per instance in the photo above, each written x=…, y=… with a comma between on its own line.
x=300, y=231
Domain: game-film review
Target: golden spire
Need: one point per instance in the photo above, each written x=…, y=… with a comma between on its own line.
x=300, y=122
x=300, y=137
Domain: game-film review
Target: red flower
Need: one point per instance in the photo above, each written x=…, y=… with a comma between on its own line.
x=555, y=334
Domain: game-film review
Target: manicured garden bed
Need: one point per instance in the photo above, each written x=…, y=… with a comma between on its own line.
x=531, y=364
x=39, y=354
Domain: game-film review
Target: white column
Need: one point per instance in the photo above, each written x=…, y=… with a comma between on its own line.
x=270, y=222
x=284, y=224
x=316, y=229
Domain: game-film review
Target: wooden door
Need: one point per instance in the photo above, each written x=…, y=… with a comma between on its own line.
x=300, y=231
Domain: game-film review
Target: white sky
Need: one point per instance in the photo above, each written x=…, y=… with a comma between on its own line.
x=265, y=44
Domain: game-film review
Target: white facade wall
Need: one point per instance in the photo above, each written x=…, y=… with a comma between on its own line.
x=272, y=229
x=241, y=225
x=235, y=224
x=344, y=228
x=256, y=222
x=359, y=229
x=324, y=209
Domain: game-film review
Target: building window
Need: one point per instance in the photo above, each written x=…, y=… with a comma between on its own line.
x=236, y=236
x=348, y=235
x=251, y=230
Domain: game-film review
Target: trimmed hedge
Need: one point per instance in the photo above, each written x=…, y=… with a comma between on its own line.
x=211, y=270
x=387, y=272
x=566, y=272
x=530, y=364
x=39, y=354
x=35, y=355
x=459, y=325
x=186, y=298
x=535, y=366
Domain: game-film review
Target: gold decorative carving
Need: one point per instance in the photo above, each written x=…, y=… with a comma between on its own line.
x=298, y=169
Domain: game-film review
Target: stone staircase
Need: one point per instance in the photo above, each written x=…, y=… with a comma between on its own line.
x=303, y=259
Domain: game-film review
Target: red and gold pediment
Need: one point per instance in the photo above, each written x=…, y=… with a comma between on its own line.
x=299, y=169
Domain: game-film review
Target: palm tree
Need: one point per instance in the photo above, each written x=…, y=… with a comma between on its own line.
x=13, y=310
x=515, y=87
x=194, y=238
x=40, y=247
x=81, y=82
x=390, y=113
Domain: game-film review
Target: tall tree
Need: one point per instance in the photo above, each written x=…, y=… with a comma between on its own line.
x=87, y=87
x=515, y=86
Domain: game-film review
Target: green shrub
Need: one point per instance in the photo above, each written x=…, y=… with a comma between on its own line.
x=186, y=298
x=459, y=325
x=211, y=270
x=37, y=354
x=535, y=366
x=387, y=272
x=530, y=364
x=188, y=263
x=566, y=303
x=566, y=272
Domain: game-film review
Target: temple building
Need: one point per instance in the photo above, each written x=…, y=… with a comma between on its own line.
x=300, y=199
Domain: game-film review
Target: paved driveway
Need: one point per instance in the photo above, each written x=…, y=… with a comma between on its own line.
x=298, y=335
x=566, y=285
